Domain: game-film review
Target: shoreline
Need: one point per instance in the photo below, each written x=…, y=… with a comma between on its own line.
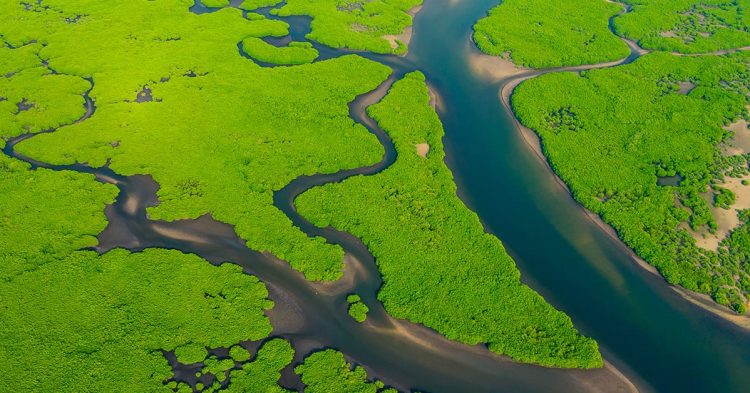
x=533, y=141
x=405, y=36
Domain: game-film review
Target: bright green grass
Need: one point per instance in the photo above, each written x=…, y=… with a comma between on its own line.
x=687, y=26
x=328, y=372
x=354, y=24
x=609, y=133
x=73, y=319
x=221, y=134
x=357, y=309
x=294, y=54
x=551, y=33
x=439, y=267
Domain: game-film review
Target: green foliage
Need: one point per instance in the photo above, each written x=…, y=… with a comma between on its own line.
x=439, y=267
x=255, y=4
x=549, y=33
x=328, y=372
x=724, y=198
x=239, y=354
x=33, y=98
x=235, y=131
x=354, y=24
x=191, y=353
x=632, y=126
x=687, y=26
x=99, y=323
x=357, y=309
x=262, y=374
x=735, y=251
x=215, y=3
x=294, y=54
x=217, y=367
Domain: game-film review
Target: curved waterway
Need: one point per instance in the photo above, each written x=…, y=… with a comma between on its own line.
x=658, y=340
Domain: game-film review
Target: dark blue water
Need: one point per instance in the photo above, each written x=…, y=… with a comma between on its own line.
x=642, y=325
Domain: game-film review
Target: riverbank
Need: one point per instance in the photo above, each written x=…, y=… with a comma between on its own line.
x=405, y=37
x=533, y=141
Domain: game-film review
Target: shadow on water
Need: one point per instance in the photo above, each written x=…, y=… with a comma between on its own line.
x=660, y=341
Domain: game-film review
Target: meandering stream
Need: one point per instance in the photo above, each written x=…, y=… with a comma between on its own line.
x=646, y=330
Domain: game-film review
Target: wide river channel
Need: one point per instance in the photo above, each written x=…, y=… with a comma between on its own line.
x=658, y=339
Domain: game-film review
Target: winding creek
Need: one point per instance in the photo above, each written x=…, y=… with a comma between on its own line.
x=652, y=338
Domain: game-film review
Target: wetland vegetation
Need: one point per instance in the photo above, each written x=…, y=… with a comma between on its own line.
x=439, y=267
x=293, y=54
x=615, y=135
x=196, y=101
x=355, y=24
x=223, y=161
x=102, y=321
x=357, y=309
x=179, y=102
x=686, y=26
x=544, y=33
x=328, y=372
x=610, y=134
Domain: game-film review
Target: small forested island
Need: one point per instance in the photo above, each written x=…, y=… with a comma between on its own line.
x=262, y=195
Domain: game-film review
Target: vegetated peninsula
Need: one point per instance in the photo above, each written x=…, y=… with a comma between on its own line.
x=371, y=25
x=616, y=135
x=686, y=26
x=294, y=53
x=658, y=148
x=328, y=372
x=439, y=267
x=551, y=33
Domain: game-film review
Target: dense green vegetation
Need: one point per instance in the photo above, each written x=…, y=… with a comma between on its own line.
x=215, y=3
x=255, y=4
x=73, y=318
x=551, y=33
x=687, y=26
x=328, y=372
x=544, y=33
x=262, y=373
x=357, y=309
x=354, y=24
x=294, y=54
x=32, y=99
x=439, y=267
x=734, y=251
x=611, y=133
x=221, y=116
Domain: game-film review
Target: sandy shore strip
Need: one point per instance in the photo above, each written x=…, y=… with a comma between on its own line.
x=705, y=302
x=405, y=36
x=436, y=101
x=606, y=379
x=491, y=67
